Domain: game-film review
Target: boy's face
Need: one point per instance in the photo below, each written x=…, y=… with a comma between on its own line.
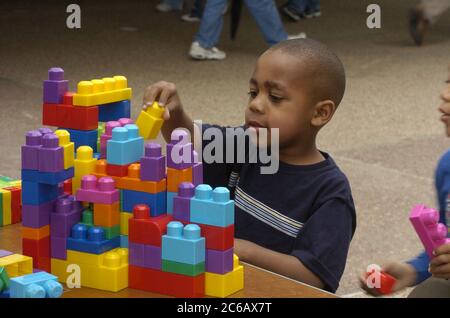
x=445, y=107
x=279, y=98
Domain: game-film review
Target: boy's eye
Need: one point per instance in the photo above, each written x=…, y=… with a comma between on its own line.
x=276, y=99
x=252, y=94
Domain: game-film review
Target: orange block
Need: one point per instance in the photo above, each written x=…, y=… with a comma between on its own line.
x=107, y=215
x=133, y=181
x=35, y=234
x=175, y=177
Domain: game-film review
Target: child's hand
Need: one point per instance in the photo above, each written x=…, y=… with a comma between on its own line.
x=440, y=265
x=404, y=274
x=166, y=95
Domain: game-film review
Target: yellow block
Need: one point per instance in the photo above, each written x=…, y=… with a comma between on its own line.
x=150, y=121
x=107, y=271
x=69, y=147
x=124, y=217
x=6, y=206
x=17, y=265
x=104, y=91
x=84, y=164
x=217, y=285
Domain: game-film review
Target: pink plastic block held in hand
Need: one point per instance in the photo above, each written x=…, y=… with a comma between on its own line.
x=426, y=223
x=102, y=191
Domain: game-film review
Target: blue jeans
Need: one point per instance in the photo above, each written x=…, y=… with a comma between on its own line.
x=301, y=6
x=178, y=5
x=263, y=11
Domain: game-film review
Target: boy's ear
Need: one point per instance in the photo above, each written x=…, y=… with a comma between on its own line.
x=323, y=112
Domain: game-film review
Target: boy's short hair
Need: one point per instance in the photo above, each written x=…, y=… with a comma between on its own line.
x=322, y=65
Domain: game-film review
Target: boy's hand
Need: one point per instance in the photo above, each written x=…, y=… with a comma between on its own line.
x=166, y=95
x=440, y=264
x=404, y=274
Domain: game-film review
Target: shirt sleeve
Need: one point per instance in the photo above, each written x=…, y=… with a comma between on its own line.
x=421, y=264
x=322, y=244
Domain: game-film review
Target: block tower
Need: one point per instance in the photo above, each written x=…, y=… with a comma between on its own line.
x=10, y=201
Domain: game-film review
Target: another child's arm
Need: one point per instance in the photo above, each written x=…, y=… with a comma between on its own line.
x=440, y=264
x=166, y=95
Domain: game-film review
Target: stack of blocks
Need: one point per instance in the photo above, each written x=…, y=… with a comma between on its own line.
x=10, y=201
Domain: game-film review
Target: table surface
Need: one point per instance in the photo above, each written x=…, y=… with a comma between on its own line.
x=257, y=282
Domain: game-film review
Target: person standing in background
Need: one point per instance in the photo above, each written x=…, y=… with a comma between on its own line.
x=301, y=9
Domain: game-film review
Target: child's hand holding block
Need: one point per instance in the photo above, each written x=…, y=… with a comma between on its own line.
x=150, y=121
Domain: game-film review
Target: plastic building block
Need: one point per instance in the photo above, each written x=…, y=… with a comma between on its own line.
x=124, y=241
x=35, y=234
x=179, y=151
x=58, y=247
x=124, y=217
x=197, y=171
x=36, y=285
x=107, y=135
x=219, y=262
x=16, y=204
x=212, y=207
x=175, y=177
x=183, y=269
x=106, y=215
x=218, y=238
x=39, y=250
x=111, y=231
x=102, y=191
x=183, y=244
x=132, y=181
x=114, y=111
x=182, y=202
x=125, y=146
x=431, y=233
x=6, y=206
x=150, y=121
x=51, y=178
x=117, y=170
x=1, y=208
x=66, y=214
x=33, y=142
x=51, y=155
x=105, y=91
x=4, y=279
x=107, y=271
x=387, y=283
x=69, y=116
x=147, y=230
x=170, y=197
x=37, y=216
x=67, y=186
x=90, y=240
x=147, y=256
x=84, y=164
x=68, y=98
x=153, y=163
x=87, y=218
x=156, y=201
x=4, y=253
x=56, y=86
x=17, y=265
x=45, y=131
x=84, y=138
x=217, y=285
x=38, y=193
x=68, y=147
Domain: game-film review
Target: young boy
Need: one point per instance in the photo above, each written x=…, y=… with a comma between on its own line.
x=433, y=276
x=299, y=221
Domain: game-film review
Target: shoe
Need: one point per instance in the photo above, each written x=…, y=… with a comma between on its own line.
x=291, y=14
x=311, y=14
x=199, y=53
x=190, y=17
x=164, y=7
x=301, y=35
x=418, y=25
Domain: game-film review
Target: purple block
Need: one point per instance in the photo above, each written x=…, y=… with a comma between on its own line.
x=197, y=170
x=37, y=270
x=180, y=146
x=136, y=254
x=55, y=87
x=107, y=135
x=125, y=121
x=182, y=202
x=152, y=257
x=219, y=262
x=45, y=131
x=102, y=191
x=58, y=247
x=153, y=163
x=4, y=253
x=37, y=216
x=33, y=141
x=67, y=213
x=51, y=155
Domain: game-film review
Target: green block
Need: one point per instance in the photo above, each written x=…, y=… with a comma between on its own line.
x=4, y=279
x=87, y=218
x=183, y=269
x=111, y=232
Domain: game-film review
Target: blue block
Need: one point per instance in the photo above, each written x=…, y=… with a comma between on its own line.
x=170, y=196
x=183, y=244
x=212, y=207
x=37, y=193
x=114, y=111
x=156, y=202
x=96, y=155
x=36, y=285
x=124, y=241
x=5, y=293
x=83, y=138
x=53, y=178
x=91, y=240
x=125, y=146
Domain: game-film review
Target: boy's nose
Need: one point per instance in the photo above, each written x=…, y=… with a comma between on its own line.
x=257, y=106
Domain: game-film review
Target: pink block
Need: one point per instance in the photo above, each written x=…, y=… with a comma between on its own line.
x=426, y=223
x=102, y=191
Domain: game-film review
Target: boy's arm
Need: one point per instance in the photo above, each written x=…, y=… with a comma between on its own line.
x=283, y=264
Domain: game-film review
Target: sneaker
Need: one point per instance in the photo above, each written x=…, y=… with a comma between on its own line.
x=301, y=35
x=190, y=17
x=199, y=53
x=290, y=13
x=311, y=14
x=418, y=25
x=164, y=7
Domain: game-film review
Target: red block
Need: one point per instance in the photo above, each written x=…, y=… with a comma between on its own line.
x=144, y=229
x=116, y=170
x=68, y=98
x=146, y=279
x=218, y=238
x=387, y=283
x=67, y=186
x=39, y=250
x=16, y=204
x=69, y=116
